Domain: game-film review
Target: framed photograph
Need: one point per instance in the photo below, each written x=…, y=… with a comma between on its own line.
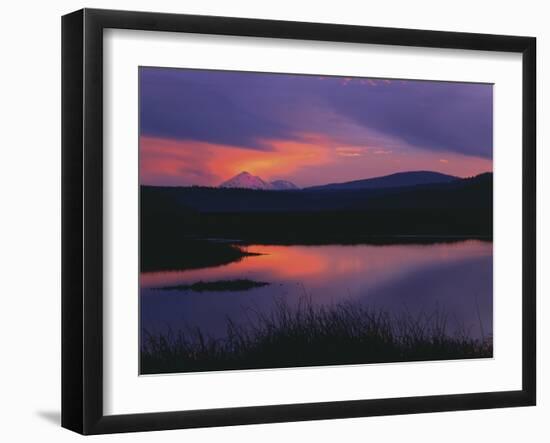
x=269, y=221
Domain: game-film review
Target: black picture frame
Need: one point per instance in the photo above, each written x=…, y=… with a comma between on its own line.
x=82, y=220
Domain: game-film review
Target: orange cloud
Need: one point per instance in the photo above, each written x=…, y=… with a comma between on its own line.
x=187, y=162
x=310, y=159
x=350, y=151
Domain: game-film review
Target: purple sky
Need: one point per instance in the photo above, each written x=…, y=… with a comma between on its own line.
x=201, y=127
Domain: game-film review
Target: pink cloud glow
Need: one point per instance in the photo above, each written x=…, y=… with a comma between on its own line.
x=308, y=160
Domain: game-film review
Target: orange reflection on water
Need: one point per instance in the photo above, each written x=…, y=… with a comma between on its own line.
x=282, y=262
x=319, y=265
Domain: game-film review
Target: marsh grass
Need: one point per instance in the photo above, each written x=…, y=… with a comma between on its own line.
x=309, y=335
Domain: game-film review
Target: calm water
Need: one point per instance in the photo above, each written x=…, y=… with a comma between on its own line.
x=456, y=278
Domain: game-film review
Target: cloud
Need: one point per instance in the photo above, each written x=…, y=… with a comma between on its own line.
x=181, y=104
x=245, y=109
x=313, y=160
x=437, y=116
x=188, y=162
x=350, y=151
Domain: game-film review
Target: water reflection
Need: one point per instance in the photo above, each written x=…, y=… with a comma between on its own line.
x=453, y=277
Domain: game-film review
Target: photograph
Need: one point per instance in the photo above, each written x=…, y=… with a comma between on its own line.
x=291, y=220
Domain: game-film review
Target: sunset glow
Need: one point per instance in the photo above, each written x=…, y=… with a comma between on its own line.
x=204, y=127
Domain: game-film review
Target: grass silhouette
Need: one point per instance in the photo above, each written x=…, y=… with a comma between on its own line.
x=308, y=335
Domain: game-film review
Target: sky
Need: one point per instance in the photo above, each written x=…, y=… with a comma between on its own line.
x=202, y=127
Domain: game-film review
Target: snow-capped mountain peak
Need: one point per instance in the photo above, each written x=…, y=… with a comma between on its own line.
x=245, y=180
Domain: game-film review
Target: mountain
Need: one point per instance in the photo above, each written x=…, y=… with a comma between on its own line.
x=462, y=207
x=283, y=185
x=474, y=192
x=245, y=180
x=397, y=180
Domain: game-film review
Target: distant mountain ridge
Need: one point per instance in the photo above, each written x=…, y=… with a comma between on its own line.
x=397, y=180
x=245, y=180
x=473, y=192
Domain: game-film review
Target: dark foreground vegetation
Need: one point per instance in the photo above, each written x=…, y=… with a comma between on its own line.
x=170, y=250
x=310, y=336
x=342, y=227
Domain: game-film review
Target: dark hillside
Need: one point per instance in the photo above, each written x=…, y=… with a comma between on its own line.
x=179, y=224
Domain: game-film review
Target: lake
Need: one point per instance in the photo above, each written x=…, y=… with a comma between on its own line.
x=452, y=278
